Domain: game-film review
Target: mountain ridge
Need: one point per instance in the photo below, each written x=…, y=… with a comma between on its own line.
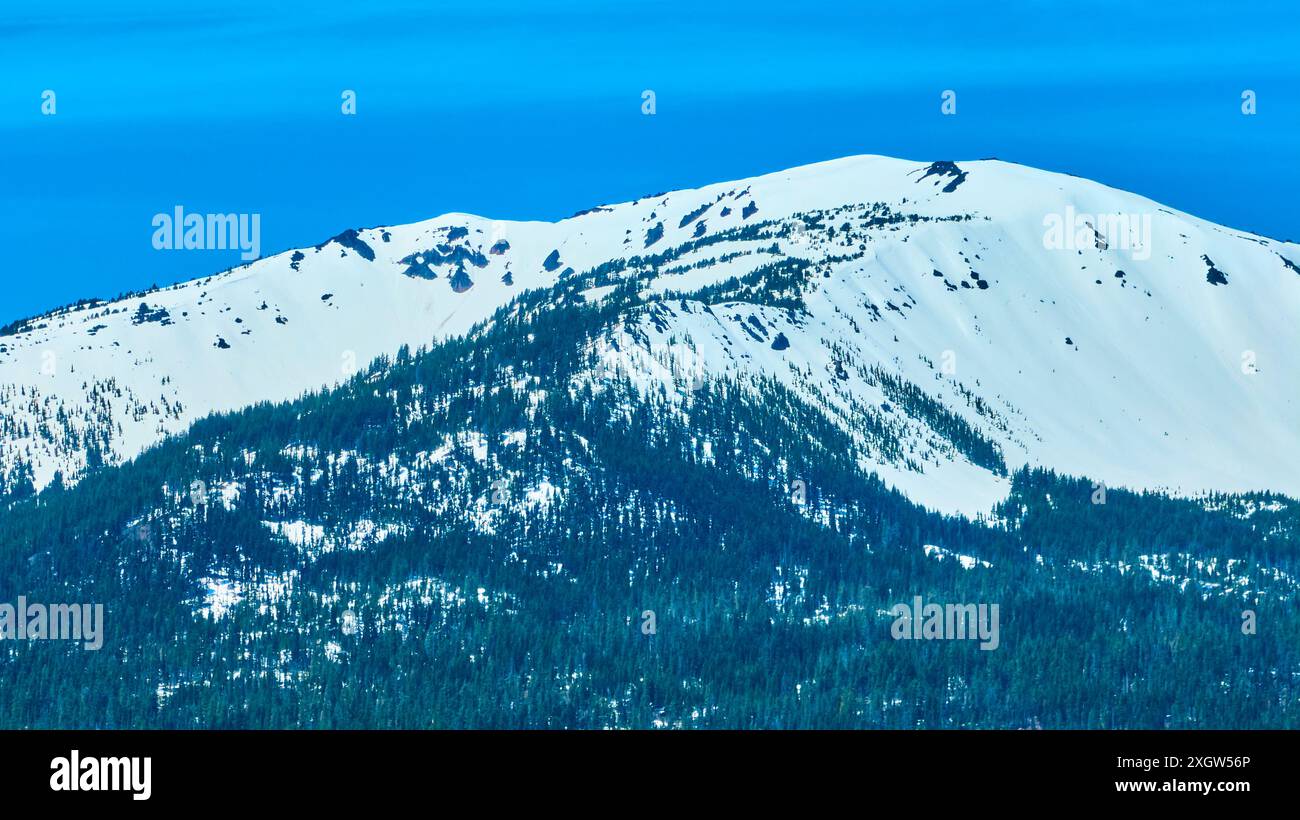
x=121, y=385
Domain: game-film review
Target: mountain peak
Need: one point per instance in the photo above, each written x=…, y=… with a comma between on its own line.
x=960, y=280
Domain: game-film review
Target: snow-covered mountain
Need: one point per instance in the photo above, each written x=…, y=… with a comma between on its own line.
x=986, y=315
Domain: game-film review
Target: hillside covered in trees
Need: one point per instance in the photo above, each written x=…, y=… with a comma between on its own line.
x=503, y=531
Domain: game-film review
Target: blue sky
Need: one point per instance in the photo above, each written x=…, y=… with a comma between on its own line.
x=527, y=110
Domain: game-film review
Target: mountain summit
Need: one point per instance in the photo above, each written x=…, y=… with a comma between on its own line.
x=956, y=320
